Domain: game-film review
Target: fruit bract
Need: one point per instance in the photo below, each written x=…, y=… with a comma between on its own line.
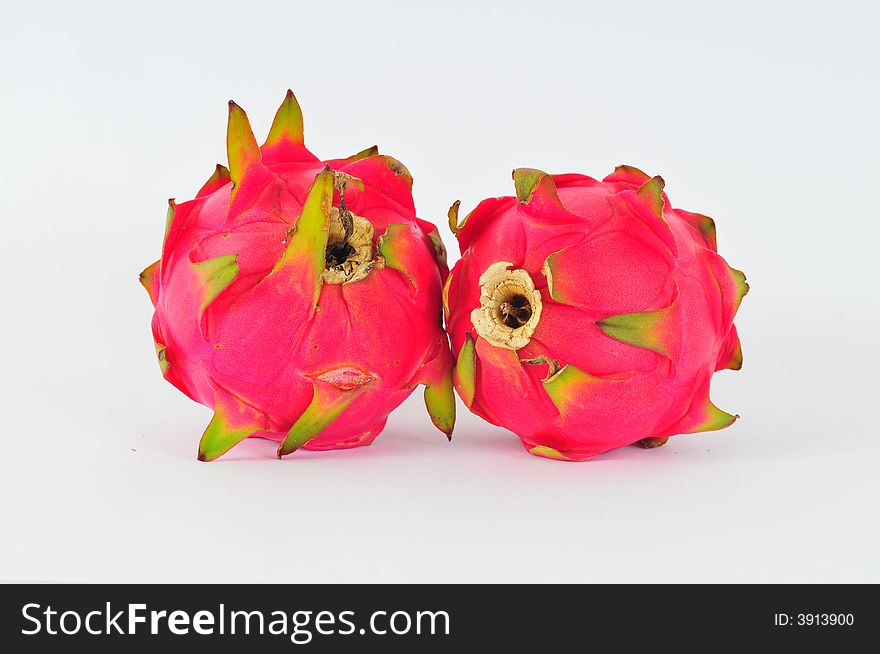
x=589, y=315
x=300, y=299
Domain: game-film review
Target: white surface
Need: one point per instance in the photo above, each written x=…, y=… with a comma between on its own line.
x=762, y=115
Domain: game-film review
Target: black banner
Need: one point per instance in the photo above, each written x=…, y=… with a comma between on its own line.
x=430, y=617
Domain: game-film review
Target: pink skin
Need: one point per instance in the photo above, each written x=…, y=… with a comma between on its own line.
x=615, y=257
x=255, y=340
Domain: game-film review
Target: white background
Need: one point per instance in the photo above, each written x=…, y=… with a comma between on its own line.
x=762, y=115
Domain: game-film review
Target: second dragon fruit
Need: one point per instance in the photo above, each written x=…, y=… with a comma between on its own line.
x=589, y=315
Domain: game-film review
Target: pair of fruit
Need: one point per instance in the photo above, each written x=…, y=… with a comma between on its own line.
x=301, y=300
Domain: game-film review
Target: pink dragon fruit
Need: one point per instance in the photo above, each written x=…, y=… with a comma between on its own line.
x=589, y=315
x=299, y=299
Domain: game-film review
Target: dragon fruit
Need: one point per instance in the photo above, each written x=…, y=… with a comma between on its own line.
x=300, y=299
x=589, y=315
